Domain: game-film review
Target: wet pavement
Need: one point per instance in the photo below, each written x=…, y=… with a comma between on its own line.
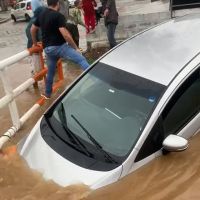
x=12, y=38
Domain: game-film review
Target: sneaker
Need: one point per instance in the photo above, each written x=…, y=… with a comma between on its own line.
x=45, y=96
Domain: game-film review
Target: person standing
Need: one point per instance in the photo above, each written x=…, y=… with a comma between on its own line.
x=57, y=41
x=76, y=18
x=111, y=19
x=28, y=28
x=89, y=15
x=34, y=58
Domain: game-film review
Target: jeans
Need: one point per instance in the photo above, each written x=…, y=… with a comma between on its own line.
x=111, y=34
x=53, y=54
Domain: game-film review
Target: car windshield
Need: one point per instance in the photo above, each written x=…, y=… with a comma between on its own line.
x=110, y=105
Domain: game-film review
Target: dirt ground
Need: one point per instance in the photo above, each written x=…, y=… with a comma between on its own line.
x=94, y=54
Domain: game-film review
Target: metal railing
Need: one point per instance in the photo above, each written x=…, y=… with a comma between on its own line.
x=183, y=4
x=11, y=94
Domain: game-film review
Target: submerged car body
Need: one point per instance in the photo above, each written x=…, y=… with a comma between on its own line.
x=121, y=112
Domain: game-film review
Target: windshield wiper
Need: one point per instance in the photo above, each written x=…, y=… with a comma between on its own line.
x=72, y=136
x=98, y=146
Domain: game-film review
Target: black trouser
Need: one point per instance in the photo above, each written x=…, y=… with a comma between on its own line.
x=73, y=29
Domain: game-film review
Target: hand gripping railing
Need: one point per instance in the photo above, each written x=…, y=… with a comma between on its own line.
x=11, y=94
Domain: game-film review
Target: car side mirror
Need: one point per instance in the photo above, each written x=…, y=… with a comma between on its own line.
x=175, y=143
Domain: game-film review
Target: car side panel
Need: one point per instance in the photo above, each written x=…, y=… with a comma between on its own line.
x=22, y=10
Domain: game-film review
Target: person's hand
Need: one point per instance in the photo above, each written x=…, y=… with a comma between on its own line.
x=36, y=45
x=106, y=12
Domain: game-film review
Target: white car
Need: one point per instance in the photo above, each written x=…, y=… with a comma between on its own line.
x=22, y=10
x=139, y=100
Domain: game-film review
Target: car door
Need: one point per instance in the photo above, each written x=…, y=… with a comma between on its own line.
x=181, y=116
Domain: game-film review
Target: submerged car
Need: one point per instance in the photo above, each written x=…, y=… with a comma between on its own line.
x=137, y=101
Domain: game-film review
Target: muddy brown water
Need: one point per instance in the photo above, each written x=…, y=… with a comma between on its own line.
x=173, y=176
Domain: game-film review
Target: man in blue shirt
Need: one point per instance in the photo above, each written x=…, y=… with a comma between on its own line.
x=36, y=4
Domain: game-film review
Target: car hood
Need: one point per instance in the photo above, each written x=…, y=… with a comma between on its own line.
x=44, y=159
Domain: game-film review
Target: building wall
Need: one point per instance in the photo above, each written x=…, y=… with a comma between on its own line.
x=133, y=18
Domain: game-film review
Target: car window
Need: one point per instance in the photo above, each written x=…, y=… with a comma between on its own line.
x=17, y=6
x=28, y=4
x=182, y=107
x=153, y=142
x=22, y=5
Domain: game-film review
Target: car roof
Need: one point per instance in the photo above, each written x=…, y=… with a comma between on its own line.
x=160, y=53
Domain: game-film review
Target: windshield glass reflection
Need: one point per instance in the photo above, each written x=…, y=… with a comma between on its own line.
x=112, y=105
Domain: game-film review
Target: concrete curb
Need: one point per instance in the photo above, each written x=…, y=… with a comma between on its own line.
x=4, y=20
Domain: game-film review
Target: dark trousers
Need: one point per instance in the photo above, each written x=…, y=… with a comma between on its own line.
x=73, y=29
x=111, y=34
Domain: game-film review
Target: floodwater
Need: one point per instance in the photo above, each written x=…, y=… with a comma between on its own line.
x=175, y=176
x=18, y=182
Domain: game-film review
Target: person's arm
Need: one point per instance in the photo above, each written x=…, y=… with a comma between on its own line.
x=34, y=30
x=68, y=38
x=108, y=5
x=94, y=3
x=106, y=12
x=79, y=17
